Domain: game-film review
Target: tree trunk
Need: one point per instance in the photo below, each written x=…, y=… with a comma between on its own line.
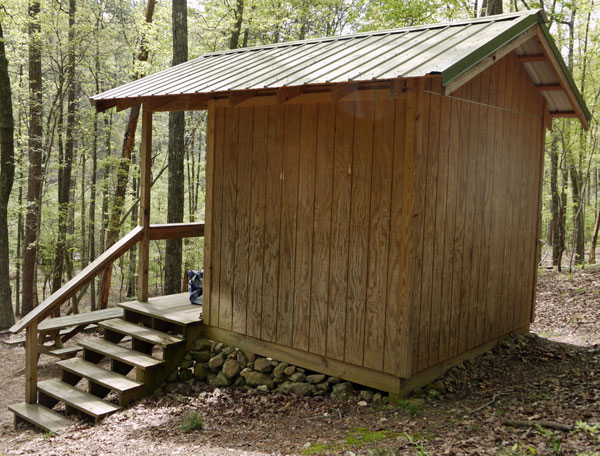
x=592, y=256
x=123, y=172
x=7, y=176
x=557, y=246
x=578, y=219
x=492, y=7
x=34, y=181
x=238, y=12
x=176, y=186
x=66, y=164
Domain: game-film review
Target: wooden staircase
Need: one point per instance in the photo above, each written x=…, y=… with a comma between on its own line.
x=137, y=353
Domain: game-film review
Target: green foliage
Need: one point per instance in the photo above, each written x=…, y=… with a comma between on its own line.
x=191, y=421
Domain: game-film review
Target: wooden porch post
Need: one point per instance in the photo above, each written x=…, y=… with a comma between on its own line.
x=31, y=359
x=145, y=163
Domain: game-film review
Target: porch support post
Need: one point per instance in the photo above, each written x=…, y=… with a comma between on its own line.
x=31, y=359
x=145, y=181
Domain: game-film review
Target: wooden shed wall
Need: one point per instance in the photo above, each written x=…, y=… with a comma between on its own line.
x=306, y=242
x=478, y=191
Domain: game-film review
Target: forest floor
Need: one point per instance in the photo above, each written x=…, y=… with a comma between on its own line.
x=489, y=406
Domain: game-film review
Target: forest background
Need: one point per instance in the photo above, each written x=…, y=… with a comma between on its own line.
x=68, y=175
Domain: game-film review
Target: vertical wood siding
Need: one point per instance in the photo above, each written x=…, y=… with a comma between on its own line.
x=317, y=208
x=303, y=217
x=481, y=181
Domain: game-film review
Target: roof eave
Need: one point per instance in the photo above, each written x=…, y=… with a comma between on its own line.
x=538, y=20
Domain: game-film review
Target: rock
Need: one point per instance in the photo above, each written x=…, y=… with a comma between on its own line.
x=377, y=399
x=201, y=356
x=435, y=389
x=173, y=376
x=221, y=380
x=324, y=386
x=239, y=381
x=289, y=370
x=319, y=393
x=241, y=359
x=202, y=344
x=278, y=371
x=295, y=388
x=245, y=371
x=231, y=368
x=228, y=350
x=186, y=364
x=255, y=379
x=342, y=391
x=299, y=369
x=333, y=380
x=216, y=362
x=232, y=356
x=264, y=388
x=297, y=377
x=188, y=356
x=218, y=347
x=315, y=378
x=199, y=372
x=250, y=357
x=210, y=378
x=366, y=395
x=362, y=403
x=263, y=365
x=250, y=364
x=185, y=375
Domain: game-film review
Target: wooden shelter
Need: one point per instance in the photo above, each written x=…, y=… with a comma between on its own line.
x=373, y=201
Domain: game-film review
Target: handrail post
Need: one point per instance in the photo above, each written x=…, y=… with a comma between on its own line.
x=145, y=182
x=31, y=359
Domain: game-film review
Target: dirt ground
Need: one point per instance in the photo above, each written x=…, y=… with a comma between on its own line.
x=535, y=395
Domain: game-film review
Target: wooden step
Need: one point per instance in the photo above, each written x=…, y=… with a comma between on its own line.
x=143, y=333
x=40, y=416
x=174, y=309
x=65, y=352
x=125, y=355
x=104, y=377
x=80, y=400
x=80, y=319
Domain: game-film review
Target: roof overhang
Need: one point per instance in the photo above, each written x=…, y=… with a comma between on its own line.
x=525, y=34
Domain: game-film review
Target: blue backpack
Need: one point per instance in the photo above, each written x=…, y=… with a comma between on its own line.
x=196, y=279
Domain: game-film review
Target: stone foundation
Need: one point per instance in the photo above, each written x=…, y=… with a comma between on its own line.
x=221, y=365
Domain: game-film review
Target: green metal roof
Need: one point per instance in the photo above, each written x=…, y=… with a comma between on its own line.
x=447, y=49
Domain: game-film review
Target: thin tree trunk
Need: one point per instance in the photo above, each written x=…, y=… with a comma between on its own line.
x=7, y=177
x=66, y=164
x=592, y=255
x=176, y=185
x=555, y=203
x=236, y=31
x=123, y=172
x=34, y=180
x=492, y=7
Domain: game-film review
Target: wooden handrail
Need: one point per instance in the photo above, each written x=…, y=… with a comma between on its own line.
x=76, y=283
x=176, y=231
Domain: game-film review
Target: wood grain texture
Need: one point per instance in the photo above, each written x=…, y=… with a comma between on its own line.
x=304, y=227
x=289, y=214
x=340, y=219
x=322, y=228
x=359, y=232
x=257, y=221
x=230, y=157
x=379, y=233
x=243, y=192
x=272, y=223
x=208, y=212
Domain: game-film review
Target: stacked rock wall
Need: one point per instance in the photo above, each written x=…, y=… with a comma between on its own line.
x=221, y=365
